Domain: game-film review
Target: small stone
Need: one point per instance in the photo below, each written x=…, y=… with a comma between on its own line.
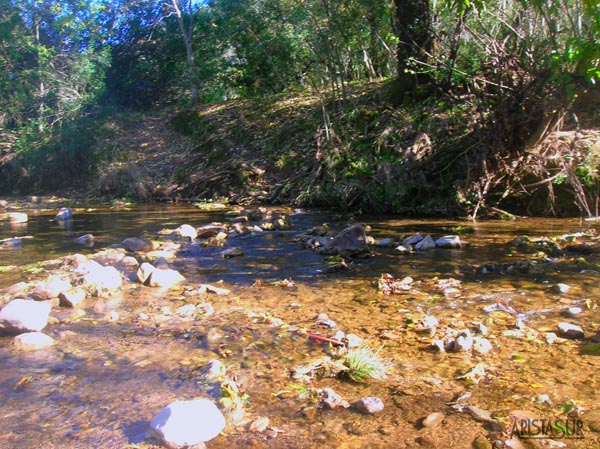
x=186, y=231
x=144, y=272
x=412, y=240
x=214, y=369
x=481, y=442
x=72, y=297
x=561, y=288
x=448, y=241
x=17, y=217
x=433, y=419
x=353, y=341
x=189, y=310
x=103, y=279
x=64, y=214
x=571, y=331
x=369, y=405
x=384, y=242
x=481, y=345
x=573, y=311
x=260, y=424
x=187, y=423
x=33, y=341
x=51, y=289
x=86, y=240
x=232, y=252
x=330, y=399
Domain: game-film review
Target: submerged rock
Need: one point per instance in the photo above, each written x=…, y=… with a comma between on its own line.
x=137, y=244
x=187, y=423
x=369, y=405
x=17, y=217
x=448, y=241
x=24, y=315
x=32, y=341
x=64, y=214
x=425, y=244
x=86, y=240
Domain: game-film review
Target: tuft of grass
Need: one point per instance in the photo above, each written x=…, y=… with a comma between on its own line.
x=365, y=363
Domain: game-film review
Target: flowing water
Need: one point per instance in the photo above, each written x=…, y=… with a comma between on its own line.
x=113, y=368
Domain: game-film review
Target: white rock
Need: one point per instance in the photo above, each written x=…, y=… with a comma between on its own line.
x=186, y=230
x=186, y=423
x=425, y=244
x=24, y=315
x=481, y=345
x=144, y=272
x=433, y=419
x=561, y=288
x=572, y=331
x=448, y=241
x=214, y=369
x=105, y=278
x=51, y=289
x=164, y=278
x=18, y=217
x=32, y=341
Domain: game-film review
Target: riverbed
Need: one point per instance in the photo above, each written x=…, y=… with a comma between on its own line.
x=123, y=357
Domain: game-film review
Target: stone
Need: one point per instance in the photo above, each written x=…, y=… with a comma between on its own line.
x=164, y=278
x=86, y=240
x=385, y=242
x=50, y=290
x=11, y=243
x=209, y=231
x=213, y=370
x=232, y=252
x=32, y=341
x=137, y=244
x=448, y=241
x=412, y=240
x=187, y=231
x=129, y=261
x=330, y=399
x=571, y=331
x=481, y=442
x=64, y=214
x=350, y=242
x=369, y=405
x=186, y=423
x=103, y=279
x=144, y=272
x=481, y=345
x=425, y=244
x=433, y=419
x=17, y=217
x=72, y=297
x=89, y=266
x=561, y=288
x=24, y=315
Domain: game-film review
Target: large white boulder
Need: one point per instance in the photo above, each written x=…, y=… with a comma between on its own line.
x=24, y=315
x=186, y=423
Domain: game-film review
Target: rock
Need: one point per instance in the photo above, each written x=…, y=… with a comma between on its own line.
x=259, y=424
x=164, y=278
x=50, y=290
x=186, y=423
x=479, y=414
x=571, y=331
x=187, y=231
x=137, y=244
x=560, y=288
x=72, y=297
x=384, y=242
x=89, y=266
x=330, y=399
x=433, y=419
x=32, y=341
x=351, y=242
x=412, y=240
x=403, y=249
x=103, y=279
x=213, y=370
x=24, y=315
x=161, y=262
x=448, y=241
x=17, y=217
x=232, y=252
x=425, y=244
x=86, y=240
x=129, y=261
x=64, y=214
x=109, y=258
x=144, y=272
x=369, y=405
x=187, y=311
x=574, y=311
x=3, y=204
x=481, y=345
x=11, y=243
x=209, y=231
x=481, y=442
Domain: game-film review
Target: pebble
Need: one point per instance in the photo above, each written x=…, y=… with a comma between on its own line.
x=481, y=442
x=571, y=331
x=433, y=419
x=33, y=341
x=369, y=405
x=561, y=288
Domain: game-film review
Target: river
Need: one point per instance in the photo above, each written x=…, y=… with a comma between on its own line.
x=116, y=365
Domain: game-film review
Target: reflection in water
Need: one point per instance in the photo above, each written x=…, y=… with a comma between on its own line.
x=111, y=370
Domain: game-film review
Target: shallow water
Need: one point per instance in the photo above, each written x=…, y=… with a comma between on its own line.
x=113, y=369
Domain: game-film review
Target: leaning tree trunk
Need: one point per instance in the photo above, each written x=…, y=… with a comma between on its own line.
x=186, y=34
x=413, y=22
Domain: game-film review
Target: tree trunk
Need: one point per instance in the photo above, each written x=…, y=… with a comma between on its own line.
x=186, y=34
x=413, y=21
